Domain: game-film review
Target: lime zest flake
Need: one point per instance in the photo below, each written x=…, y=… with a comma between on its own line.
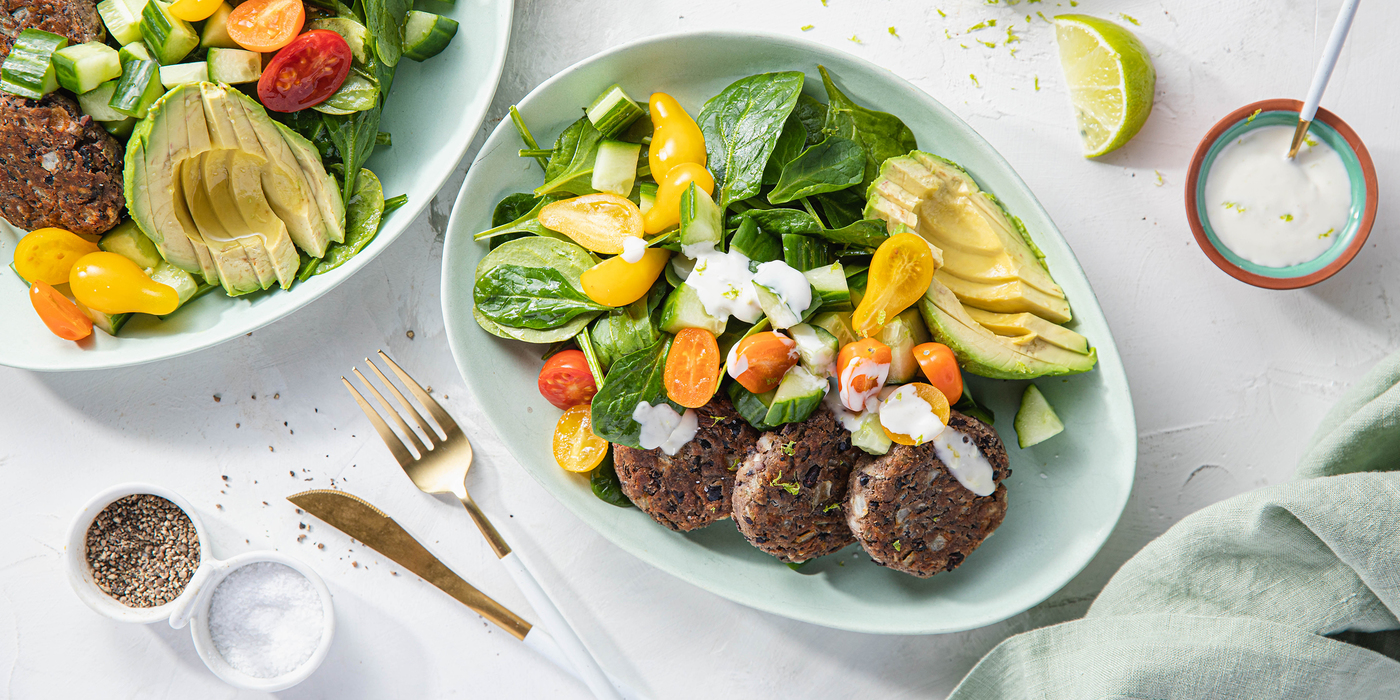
x=1159, y=177
x=1252, y=116
x=1129, y=18
x=1326, y=235
x=988, y=44
x=1234, y=205
x=1286, y=217
x=981, y=25
x=807, y=27
x=1037, y=83
x=896, y=545
x=856, y=39
x=941, y=13
x=834, y=506
x=1310, y=141
x=894, y=33
x=790, y=487
x=974, y=79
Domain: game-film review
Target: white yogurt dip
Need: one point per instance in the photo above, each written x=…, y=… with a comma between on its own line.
x=1273, y=211
x=964, y=461
x=663, y=427
x=633, y=249
x=904, y=413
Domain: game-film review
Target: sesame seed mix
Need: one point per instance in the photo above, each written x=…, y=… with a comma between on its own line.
x=143, y=550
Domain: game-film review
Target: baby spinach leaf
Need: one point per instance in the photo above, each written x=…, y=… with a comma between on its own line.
x=789, y=145
x=570, y=168
x=843, y=207
x=755, y=243
x=741, y=126
x=882, y=135
x=384, y=19
x=834, y=164
x=813, y=116
x=566, y=257
x=633, y=379
x=525, y=224
x=866, y=233
x=363, y=212
x=354, y=136
x=606, y=486
x=512, y=207
x=622, y=332
x=530, y=297
x=803, y=253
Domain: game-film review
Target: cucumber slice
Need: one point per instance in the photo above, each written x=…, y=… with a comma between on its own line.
x=798, y=395
x=354, y=34
x=128, y=241
x=168, y=37
x=233, y=66
x=615, y=169
x=647, y=193
x=778, y=312
x=683, y=309
x=816, y=346
x=138, y=88
x=184, y=284
x=701, y=220
x=120, y=127
x=85, y=66
x=425, y=35
x=215, y=33
x=28, y=70
x=837, y=324
x=902, y=333
x=830, y=284
x=111, y=324
x=613, y=112
x=184, y=73
x=1036, y=421
x=870, y=436
x=135, y=51
x=756, y=244
x=96, y=103
x=122, y=23
x=753, y=408
x=805, y=253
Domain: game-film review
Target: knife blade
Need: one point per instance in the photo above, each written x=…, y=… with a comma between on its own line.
x=359, y=519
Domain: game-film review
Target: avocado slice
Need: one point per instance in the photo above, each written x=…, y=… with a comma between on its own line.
x=986, y=354
x=218, y=182
x=323, y=186
x=1006, y=297
x=166, y=144
x=246, y=184
x=1014, y=325
x=209, y=212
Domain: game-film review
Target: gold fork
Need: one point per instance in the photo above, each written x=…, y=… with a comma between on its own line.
x=441, y=466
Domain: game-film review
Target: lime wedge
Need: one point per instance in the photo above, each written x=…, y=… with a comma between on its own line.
x=1110, y=79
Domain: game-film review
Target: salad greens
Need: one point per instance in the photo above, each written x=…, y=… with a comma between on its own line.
x=632, y=380
x=742, y=126
x=881, y=134
x=833, y=164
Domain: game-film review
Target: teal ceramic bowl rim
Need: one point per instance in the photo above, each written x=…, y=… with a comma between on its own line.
x=1333, y=131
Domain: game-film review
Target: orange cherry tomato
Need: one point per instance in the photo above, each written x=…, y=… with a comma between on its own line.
x=566, y=381
x=900, y=273
x=616, y=282
x=48, y=254
x=599, y=222
x=675, y=137
x=266, y=25
x=940, y=366
x=861, y=370
x=692, y=367
x=938, y=404
x=59, y=313
x=665, y=212
x=576, y=448
x=194, y=10
x=759, y=361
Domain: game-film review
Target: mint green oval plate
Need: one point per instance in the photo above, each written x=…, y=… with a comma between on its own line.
x=1065, y=494
x=433, y=114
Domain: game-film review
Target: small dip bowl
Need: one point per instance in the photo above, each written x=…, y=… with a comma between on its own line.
x=1326, y=127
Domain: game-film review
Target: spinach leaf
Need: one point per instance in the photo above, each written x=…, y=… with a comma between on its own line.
x=354, y=136
x=384, y=19
x=622, y=332
x=566, y=257
x=834, y=164
x=392, y=203
x=843, y=207
x=633, y=379
x=512, y=207
x=741, y=126
x=570, y=167
x=308, y=123
x=525, y=224
x=606, y=486
x=813, y=116
x=882, y=135
x=363, y=213
x=866, y=233
x=803, y=253
x=755, y=243
x=789, y=145
x=530, y=297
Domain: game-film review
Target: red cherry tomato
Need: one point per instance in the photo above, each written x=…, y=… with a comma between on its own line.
x=58, y=313
x=566, y=380
x=305, y=73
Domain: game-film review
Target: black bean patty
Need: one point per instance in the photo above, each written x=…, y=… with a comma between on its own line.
x=790, y=493
x=692, y=488
x=911, y=515
x=76, y=19
x=57, y=166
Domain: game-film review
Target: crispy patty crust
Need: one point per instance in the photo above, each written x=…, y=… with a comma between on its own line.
x=57, y=166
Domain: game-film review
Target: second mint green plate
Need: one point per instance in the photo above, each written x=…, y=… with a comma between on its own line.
x=1065, y=495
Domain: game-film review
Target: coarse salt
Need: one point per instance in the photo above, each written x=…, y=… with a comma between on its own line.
x=266, y=619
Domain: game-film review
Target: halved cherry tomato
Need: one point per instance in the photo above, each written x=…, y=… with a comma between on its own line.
x=665, y=212
x=305, y=73
x=576, y=448
x=936, y=401
x=940, y=366
x=48, y=254
x=266, y=25
x=861, y=370
x=194, y=10
x=675, y=137
x=598, y=222
x=900, y=273
x=59, y=313
x=566, y=380
x=692, y=367
x=616, y=282
x=759, y=361
x=113, y=284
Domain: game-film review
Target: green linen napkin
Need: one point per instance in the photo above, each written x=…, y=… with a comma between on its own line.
x=1238, y=600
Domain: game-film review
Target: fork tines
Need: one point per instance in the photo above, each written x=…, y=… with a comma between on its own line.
x=399, y=444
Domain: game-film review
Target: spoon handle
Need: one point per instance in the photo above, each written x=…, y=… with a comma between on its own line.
x=1329, y=59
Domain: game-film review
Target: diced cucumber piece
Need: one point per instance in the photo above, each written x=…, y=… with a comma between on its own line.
x=215, y=32
x=233, y=66
x=138, y=88
x=120, y=127
x=128, y=241
x=837, y=324
x=425, y=35
x=111, y=324
x=122, y=23
x=755, y=243
x=830, y=283
x=1036, y=421
x=354, y=34
x=798, y=395
x=778, y=312
x=870, y=436
x=753, y=408
x=902, y=333
x=182, y=282
x=647, y=192
x=816, y=346
x=701, y=220
x=28, y=70
x=184, y=73
x=168, y=37
x=615, y=169
x=95, y=103
x=613, y=112
x=135, y=51
x=683, y=309
x=804, y=253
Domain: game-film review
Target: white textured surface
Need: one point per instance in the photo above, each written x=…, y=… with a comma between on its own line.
x=1228, y=382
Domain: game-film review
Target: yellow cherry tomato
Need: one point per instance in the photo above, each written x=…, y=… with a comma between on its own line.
x=598, y=222
x=675, y=138
x=616, y=282
x=665, y=212
x=576, y=448
x=900, y=273
x=112, y=284
x=194, y=10
x=937, y=402
x=47, y=254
